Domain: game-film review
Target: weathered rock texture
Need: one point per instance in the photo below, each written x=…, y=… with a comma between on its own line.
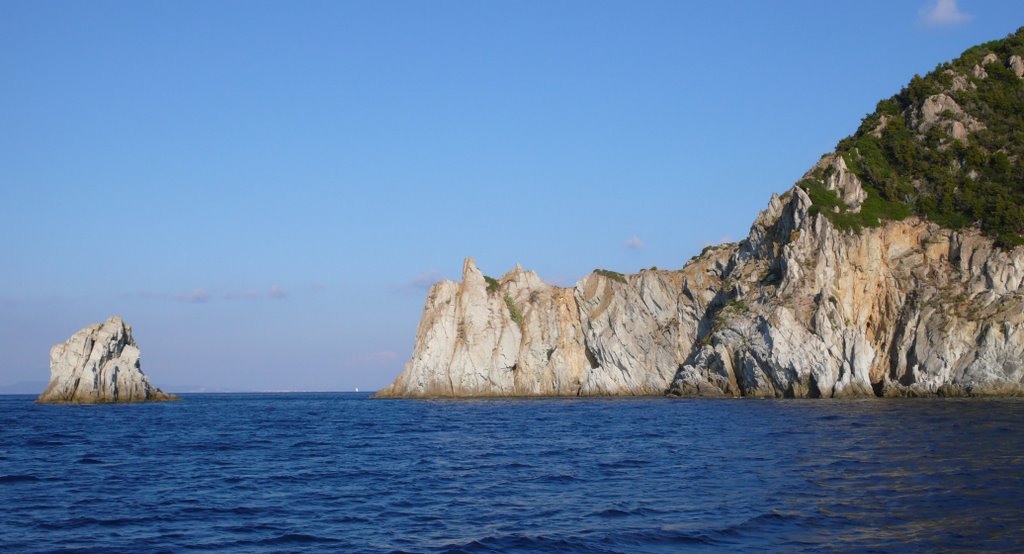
x=940, y=109
x=99, y=364
x=907, y=308
x=798, y=309
x=817, y=301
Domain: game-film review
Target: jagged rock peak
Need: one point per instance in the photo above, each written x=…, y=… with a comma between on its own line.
x=845, y=184
x=99, y=364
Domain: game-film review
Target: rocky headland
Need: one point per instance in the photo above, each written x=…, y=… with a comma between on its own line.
x=99, y=364
x=894, y=267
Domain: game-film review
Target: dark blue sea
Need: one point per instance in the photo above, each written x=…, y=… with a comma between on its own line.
x=344, y=473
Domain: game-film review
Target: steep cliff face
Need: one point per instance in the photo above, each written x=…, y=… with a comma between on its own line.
x=889, y=269
x=799, y=309
x=99, y=364
x=610, y=335
x=522, y=337
x=907, y=308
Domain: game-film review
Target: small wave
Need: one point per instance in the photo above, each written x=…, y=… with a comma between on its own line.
x=560, y=478
x=251, y=528
x=309, y=444
x=19, y=479
x=282, y=542
x=612, y=512
x=43, y=442
x=288, y=478
x=79, y=522
x=297, y=538
x=624, y=463
x=235, y=511
x=773, y=519
x=666, y=537
x=616, y=512
x=89, y=461
x=525, y=543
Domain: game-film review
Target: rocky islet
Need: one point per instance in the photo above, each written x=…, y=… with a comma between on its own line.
x=99, y=364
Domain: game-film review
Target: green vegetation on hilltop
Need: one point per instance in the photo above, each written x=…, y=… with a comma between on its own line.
x=906, y=167
x=613, y=275
x=874, y=209
x=492, y=284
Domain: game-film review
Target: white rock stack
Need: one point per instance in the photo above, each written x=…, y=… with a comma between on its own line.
x=99, y=364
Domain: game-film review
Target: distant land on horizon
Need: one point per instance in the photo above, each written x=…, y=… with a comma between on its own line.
x=36, y=387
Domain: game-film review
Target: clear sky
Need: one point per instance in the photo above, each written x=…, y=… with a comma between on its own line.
x=265, y=190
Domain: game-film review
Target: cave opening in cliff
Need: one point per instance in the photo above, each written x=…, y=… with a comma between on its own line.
x=591, y=358
x=812, y=388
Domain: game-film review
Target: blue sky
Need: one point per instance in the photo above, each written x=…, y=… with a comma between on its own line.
x=265, y=190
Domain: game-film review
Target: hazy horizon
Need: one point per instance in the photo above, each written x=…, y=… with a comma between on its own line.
x=266, y=194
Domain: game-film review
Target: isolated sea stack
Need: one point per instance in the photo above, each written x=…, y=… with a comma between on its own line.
x=892, y=268
x=99, y=364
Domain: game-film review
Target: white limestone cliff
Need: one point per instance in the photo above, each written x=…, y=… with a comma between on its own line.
x=907, y=308
x=99, y=364
x=800, y=308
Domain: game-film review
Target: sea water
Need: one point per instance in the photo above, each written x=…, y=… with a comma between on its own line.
x=343, y=472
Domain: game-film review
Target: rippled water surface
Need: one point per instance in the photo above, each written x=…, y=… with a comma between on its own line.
x=341, y=472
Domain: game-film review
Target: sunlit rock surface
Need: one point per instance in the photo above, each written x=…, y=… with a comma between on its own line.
x=99, y=364
x=798, y=309
x=817, y=301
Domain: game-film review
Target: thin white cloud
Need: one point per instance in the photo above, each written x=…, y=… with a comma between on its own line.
x=317, y=287
x=634, y=243
x=198, y=296
x=202, y=296
x=277, y=292
x=939, y=13
x=242, y=294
